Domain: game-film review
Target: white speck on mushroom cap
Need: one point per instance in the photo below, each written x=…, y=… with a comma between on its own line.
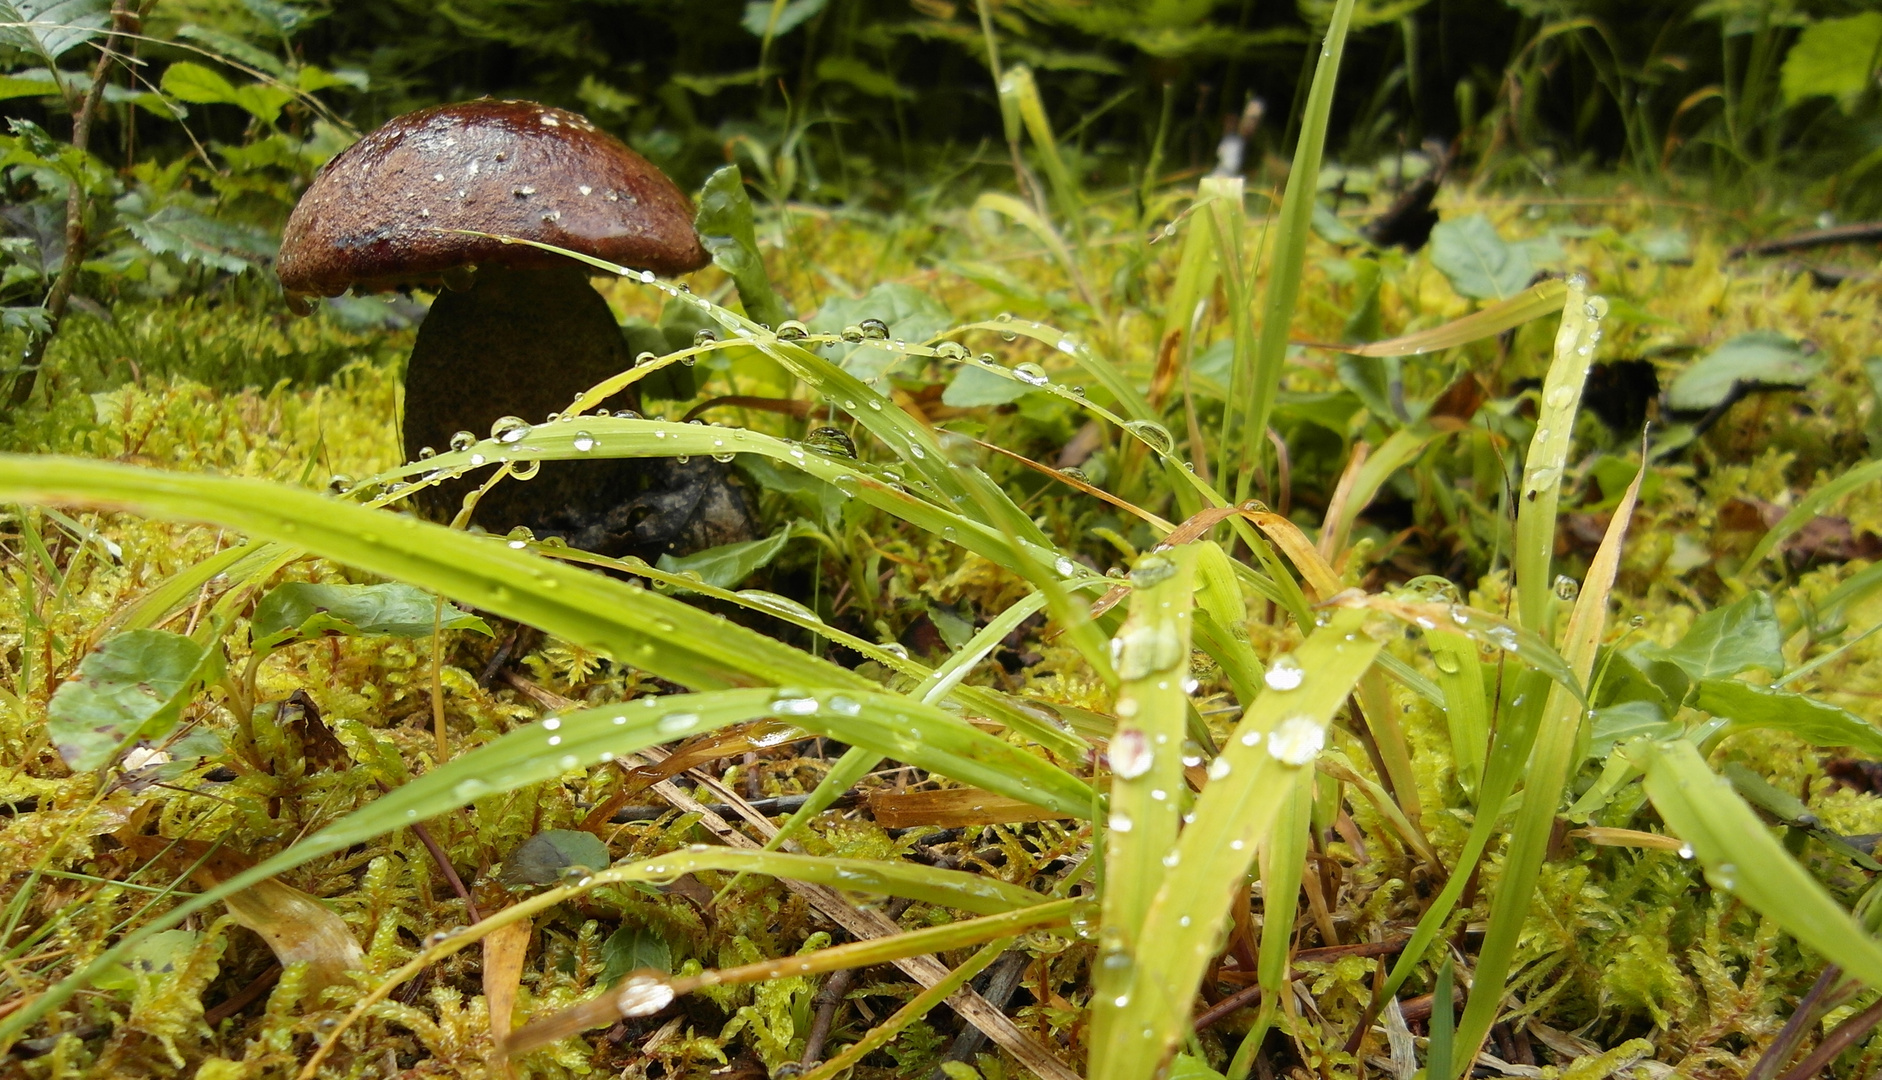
x=471, y=168
x=585, y=189
x=439, y=177
x=525, y=191
x=548, y=120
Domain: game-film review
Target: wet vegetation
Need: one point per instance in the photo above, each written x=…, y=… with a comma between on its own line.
x=1304, y=542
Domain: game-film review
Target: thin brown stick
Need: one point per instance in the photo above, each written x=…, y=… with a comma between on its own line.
x=1856, y=233
x=829, y=998
x=1847, y=1034
x=123, y=20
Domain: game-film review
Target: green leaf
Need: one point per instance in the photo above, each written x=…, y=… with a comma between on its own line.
x=1662, y=245
x=174, y=229
x=197, y=84
x=157, y=958
x=13, y=86
x=912, y=315
x=1834, y=58
x=51, y=28
x=304, y=610
x=134, y=687
x=790, y=16
x=546, y=857
x=1189, y=1067
x=855, y=73
x=1725, y=641
x=633, y=948
x=1757, y=358
x=1817, y=722
x=728, y=564
x=974, y=386
x=725, y=227
x=1478, y=262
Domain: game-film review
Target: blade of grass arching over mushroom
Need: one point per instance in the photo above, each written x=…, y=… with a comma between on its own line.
x=1278, y=736
x=1147, y=786
x=1289, y=255
x=1741, y=857
x=1544, y=782
x=1541, y=487
x=918, y=734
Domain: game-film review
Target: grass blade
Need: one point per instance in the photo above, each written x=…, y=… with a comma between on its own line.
x=1531, y=303
x=1548, y=453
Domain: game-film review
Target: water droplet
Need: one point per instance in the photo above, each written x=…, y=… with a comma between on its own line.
x=1031, y=374
x=1685, y=851
x=1284, y=673
x=466, y=790
x=705, y=337
x=1120, y=823
x=1065, y=565
x=874, y=329
x=1219, y=768
x=832, y=441
x=525, y=470
x=1724, y=877
x=643, y=995
x=1075, y=473
x=1066, y=345
x=1296, y=740
x=852, y=334
x=676, y=723
x=792, y=330
x=788, y=703
x=1566, y=588
x=509, y=429
x=584, y=441
x=340, y=484
x=1577, y=282
x=1560, y=397
x=1130, y=754
x=1596, y=308
x=951, y=350
x=1153, y=434
x=1192, y=753
x=1447, y=661
x=463, y=440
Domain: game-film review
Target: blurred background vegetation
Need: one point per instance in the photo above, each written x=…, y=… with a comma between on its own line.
x=203, y=140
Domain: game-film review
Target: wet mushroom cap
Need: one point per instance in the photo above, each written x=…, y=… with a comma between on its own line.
x=380, y=213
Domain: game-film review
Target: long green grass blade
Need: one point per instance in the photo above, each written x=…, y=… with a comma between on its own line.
x=1290, y=248
x=1742, y=857
x=1541, y=487
x=1279, y=736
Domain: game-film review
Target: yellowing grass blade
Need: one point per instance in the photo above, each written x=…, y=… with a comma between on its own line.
x=1281, y=733
x=1531, y=303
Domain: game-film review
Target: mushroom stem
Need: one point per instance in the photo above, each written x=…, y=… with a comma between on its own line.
x=524, y=343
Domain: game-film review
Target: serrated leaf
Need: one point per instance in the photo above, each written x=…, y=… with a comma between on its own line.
x=1726, y=641
x=193, y=238
x=729, y=564
x=1479, y=263
x=633, y=948
x=134, y=686
x=724, y=223
x=305, y=610
x=1833, y=58
x=1758, y=358
x=51, y=28
x=1816, y=722
x=911, y=315
x=545, y=857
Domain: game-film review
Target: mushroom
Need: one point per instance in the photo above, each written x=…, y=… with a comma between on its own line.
x=517, y=331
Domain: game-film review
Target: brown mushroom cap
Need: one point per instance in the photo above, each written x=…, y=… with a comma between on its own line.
x=379, y=214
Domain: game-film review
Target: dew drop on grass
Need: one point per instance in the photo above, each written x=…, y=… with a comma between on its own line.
x=951, y=350
x=792, y=330
x=831, y=441
x=340, y=484
x=676, y=723
x=1685, y=851
x=1152, y=433
x=525, y=470
x=1071, y=472
x=705, y=337
x=1192, y=753
x=584, y=441
x=1447, y=662
x=463, y=440
x=1284, y=673
x=1296, y=740
x=843, y=705
x=1120, y=823
x=852, y=334
x=1596, y=308
x=1219, y=768
x=509, y=429
x=790, y=704
x=1566, y=588
x=874, y=329
x=1031, y=374
x=1065, y=565
x=1560, y=397
x=1130, y=754
x=643, y=995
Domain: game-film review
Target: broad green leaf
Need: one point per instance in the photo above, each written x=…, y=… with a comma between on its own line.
x=1817, y=722
x=156, y=958
x=12, y=86
x=197, y=84
x=1757, y=358
x=135, y=687
x=1833, y=58
x=306, y=610
x=725, y=227
x=1726, y=641
x=634, y=948
x=728, y=564
x=1479, y=263
x=1189, y=1067
x=973, y=386
x=545, y=858
x=1741, y=857
x=175, y=229
x=761, y=21
x=911, y=315
x=48, y=29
